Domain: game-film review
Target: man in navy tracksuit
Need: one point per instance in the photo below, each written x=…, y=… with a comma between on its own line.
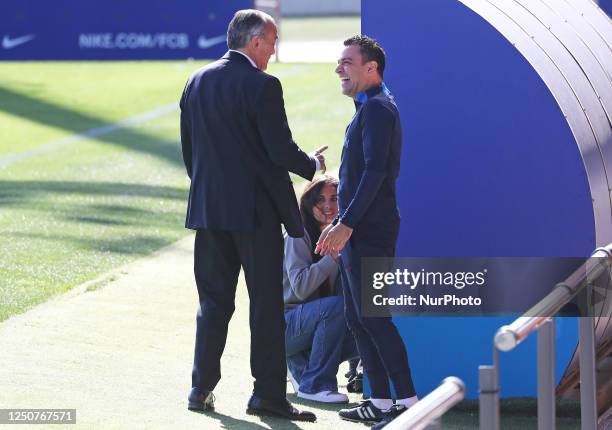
x=368, y=224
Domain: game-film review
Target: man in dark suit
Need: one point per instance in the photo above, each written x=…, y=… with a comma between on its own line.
x=238, y=149
x=368, y=225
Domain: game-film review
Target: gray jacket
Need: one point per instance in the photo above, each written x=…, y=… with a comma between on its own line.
x=300, y=276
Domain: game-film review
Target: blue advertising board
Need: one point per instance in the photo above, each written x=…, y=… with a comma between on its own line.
x=490, y=165
x=115, y=30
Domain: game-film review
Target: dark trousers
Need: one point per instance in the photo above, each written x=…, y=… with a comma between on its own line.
x=218, y=258
x=380, y=346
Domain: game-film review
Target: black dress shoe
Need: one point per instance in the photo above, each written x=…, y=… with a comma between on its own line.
x=201, y=400
x=355, y=383
x=279, y=408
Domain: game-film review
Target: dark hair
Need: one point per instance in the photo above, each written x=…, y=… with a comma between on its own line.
x=245, y=25
x=309, y=200
x=370, y=51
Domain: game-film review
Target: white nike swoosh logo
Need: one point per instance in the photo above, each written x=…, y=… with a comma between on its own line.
x=204, y=43
x=8, y=43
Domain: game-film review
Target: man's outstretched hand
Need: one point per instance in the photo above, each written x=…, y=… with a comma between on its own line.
x=318, y=154
x=332, y=239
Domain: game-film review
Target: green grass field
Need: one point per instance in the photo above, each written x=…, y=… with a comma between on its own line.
x=69, y=213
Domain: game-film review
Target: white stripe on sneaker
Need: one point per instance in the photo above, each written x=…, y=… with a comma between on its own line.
x=370, y=413
x=360, y=413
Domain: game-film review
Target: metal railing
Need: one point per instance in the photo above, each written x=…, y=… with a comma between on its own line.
x=539, y=318
x=425, y=413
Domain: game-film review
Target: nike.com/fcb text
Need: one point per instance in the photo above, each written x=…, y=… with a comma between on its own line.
x=134, y=40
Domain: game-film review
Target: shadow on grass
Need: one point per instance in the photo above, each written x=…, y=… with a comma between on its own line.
x=134, y=245
x=228, y=422
x=279, y=423
x=97, y=220
x=72, y=201
x=16, y=193
x=44, y=112
x=524, y=406
x=119, y=209
x=309, y=404
x=516, y=414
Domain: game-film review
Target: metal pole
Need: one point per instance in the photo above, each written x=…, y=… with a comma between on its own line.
x=496, y=372
x=422, y=415
x=588, y=404
x=488, y=404
x=509, y=336
x=546, y=376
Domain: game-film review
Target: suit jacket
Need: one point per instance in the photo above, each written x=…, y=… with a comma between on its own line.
x=238, y=149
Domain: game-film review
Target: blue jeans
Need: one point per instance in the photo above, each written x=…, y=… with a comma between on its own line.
x=317, y=340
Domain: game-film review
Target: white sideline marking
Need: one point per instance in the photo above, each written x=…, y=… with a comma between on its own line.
x=99, y=131
x=94, y=132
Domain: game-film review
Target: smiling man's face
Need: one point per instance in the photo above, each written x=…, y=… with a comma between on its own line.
x=355, y=74
x=265, y=46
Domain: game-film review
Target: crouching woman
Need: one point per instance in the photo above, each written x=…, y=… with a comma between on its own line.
x=317, y=338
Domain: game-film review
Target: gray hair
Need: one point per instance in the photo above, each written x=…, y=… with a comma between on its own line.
x=245, y=25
